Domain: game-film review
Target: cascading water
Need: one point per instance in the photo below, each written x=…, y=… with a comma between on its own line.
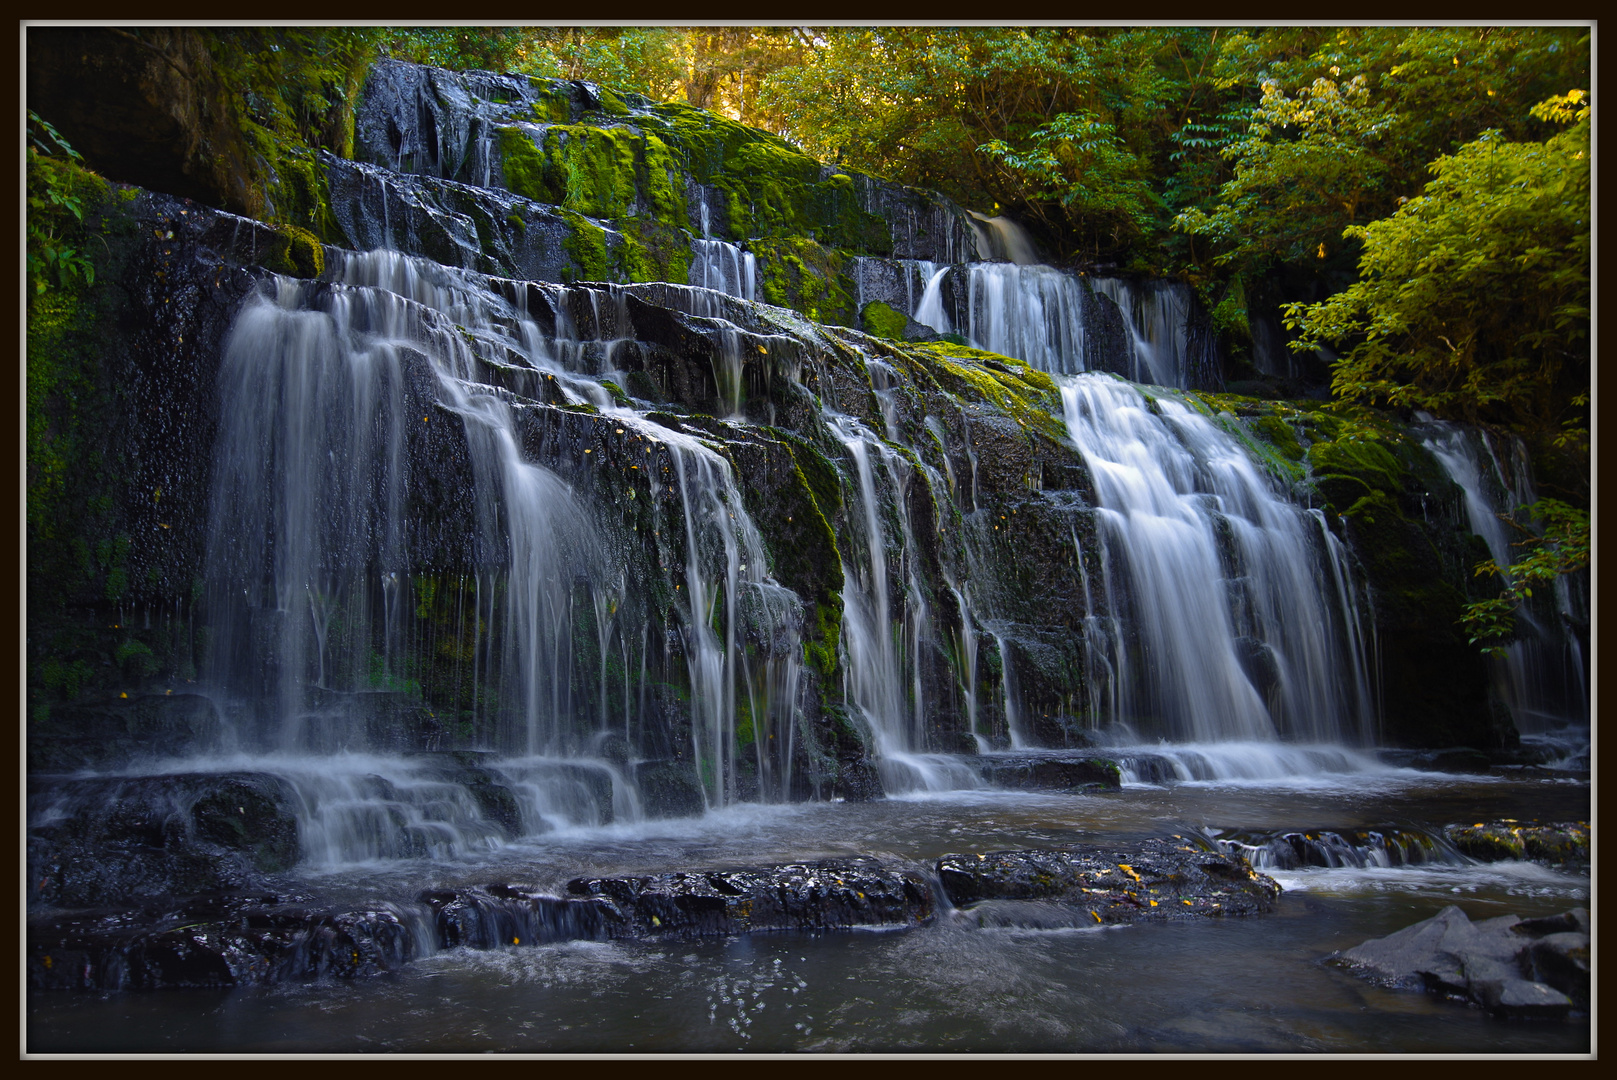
x=882, y=639
x=1018, y=307
x=721, y=266
x=1238, y=604
x=1541, y=675
x=308, y=566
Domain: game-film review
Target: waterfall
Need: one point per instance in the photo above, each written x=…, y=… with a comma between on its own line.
x=1002, y=238
x=721, y=266
x=883, y=636
x=325, y=416
x=1540, y=677
x=1048, y=317
x=1236, y=600
x=1034, y=313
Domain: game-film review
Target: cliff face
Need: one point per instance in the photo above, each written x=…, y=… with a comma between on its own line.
x=503, y=487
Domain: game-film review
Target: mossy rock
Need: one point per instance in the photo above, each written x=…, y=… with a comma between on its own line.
x=1026, y=394
x=798, y=273
x=301, y=255
x=1363, y=460
x=883, y=320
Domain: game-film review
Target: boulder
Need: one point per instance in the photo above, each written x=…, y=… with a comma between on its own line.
x=1494, y=963
x=1050, y=772
x=1563, y=845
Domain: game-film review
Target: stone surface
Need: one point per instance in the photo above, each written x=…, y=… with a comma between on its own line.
x=114, y=840
x=232, y=938
x=1050, y=772
x=1159, y=879
x=1495, y=963
x=1563, y=845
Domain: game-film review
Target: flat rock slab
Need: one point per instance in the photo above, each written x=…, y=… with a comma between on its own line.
x=1157, y=879
x=1531, y=968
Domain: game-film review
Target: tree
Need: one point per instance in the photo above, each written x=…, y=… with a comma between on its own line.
x=1473, y=298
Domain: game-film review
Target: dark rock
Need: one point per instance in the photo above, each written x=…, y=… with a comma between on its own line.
x=1153, y=880
x=669, y=789
x=468, y=768
x=113, y=732
x=1457, y=760
x=218, y=941
x=835, y=895
x=1388, y=845
x=125, y=839
x=1150, y=768
x=1050, y=772
x=1564, y=845
x=1494, y=963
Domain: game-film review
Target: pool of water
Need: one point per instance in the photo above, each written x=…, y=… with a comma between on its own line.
x=1220, y=985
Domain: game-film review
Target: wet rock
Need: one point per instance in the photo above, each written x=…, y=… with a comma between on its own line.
x=832, y=895
x=468, y=768
x=1563, y=845
x=111, y=733
x=1150, y=768
x=1157, y=879
x=1496, y=963
x=669, y=789
x=124, y=839
x=1049, y=772
x=1387, y=845
x=219, y=941
x=1457, y=760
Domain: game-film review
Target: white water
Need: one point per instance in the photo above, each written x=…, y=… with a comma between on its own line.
x=1235, y=594
x=722, y=266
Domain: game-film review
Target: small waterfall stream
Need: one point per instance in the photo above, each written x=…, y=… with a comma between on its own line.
x=1541, y=676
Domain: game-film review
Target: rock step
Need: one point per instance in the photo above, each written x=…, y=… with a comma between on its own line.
x=241, y=939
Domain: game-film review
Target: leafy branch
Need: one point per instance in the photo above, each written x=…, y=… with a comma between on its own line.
x=55, y=212
x=1562, y=549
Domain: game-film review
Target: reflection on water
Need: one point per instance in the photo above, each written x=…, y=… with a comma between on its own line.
x=1236, y=985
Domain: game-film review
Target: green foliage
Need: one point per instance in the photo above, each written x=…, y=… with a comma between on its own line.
x=59, y=188
x=1563, y=548
x=1473, y=299
x=1083, y=164
x=1349, y=118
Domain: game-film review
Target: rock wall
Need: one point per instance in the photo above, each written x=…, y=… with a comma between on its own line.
x=903, y=471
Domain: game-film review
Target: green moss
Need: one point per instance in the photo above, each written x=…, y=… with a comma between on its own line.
x=585, y=245
x=294, y=191
x=1027, y=394
x=1279, y=434
x=883, y=321
x=652, y=251
x=798, y=273
x=663, y=183
x=1359, y=459
x=298, y=253
x=554, y=101
x=135, y=659
x=528, y=172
